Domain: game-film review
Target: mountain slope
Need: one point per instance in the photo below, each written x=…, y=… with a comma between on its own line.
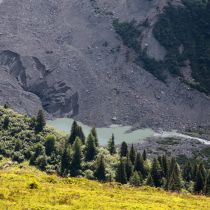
x=65, y=56
x=32, y=189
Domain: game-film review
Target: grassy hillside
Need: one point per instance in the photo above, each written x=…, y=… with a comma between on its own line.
x=24, y=187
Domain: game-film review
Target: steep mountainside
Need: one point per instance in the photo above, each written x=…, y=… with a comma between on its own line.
x=65, y=55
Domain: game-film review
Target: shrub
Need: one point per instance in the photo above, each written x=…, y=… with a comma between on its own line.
x=89, y=174
x=18, y=156
x=33, y=185
x=136, y=179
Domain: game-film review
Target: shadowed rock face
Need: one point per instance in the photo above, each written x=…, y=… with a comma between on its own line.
x=31, y=75
x=64, y=56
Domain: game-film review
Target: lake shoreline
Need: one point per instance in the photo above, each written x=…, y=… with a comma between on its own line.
x=122, y=133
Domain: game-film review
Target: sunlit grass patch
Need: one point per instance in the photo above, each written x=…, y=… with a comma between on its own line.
x=24, y=187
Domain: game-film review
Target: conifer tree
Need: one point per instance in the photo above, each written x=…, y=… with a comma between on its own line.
x=6, y=122
x=91, y=150
x=121, y=173
x=165, y=166
x=80, y=134
x=202, y=169
x=66, y=161
x=187, y=172
x=94, y=133
x=128, y=167
x=136, y=179
x=149, y=181
x=174, y=183
x=100, y=172
x=195, y=171
x=76, y=131
x=111, y=145
x=156, y=173
x=6, y=106
x=144, y=155
x=139, y=165
x=124, y=149
x=160, y=161
x=199, y=182
x=73, y=134
x=76, y=158
x=207, y=186
x=50, y=144
x=171, y=166
x=40, y=121
x=132, y=154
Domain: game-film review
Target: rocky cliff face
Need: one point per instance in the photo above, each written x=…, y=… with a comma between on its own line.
x=64, y=56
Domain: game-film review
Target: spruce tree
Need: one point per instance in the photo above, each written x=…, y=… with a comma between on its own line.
x=160, y=161
x=195, y=171
x=139, y=165
x=187, y=172
x=94, y=133
x=136, y=179
x=111, y=145
x=207, y=186
x=91, y=150
x=40, y=122
x=6, y=122
x=100, y=172
x=165, y=166
x=174, y=183
x=171, y=166
x=199, y=182
x=144, y=155
x=76, y=131
x=156, y=173
x=128, y=167
x=132, y=154
x=6, y=105
x=149, y=181
x=66, y=161
x=80, y=134
x=76, y=158
x=74, y=134
x=121, y=173
x=124, y=149
x=50, y=144
x=202, y=169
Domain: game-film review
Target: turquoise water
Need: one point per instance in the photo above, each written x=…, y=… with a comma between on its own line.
x=121, y=133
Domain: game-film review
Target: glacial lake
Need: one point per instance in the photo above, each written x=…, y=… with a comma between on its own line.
x=121, y=133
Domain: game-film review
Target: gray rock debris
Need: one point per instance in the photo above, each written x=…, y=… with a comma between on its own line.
x=64, y=56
